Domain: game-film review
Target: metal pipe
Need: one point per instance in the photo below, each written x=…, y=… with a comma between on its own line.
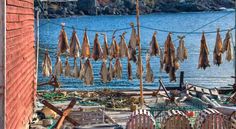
x=139, y=54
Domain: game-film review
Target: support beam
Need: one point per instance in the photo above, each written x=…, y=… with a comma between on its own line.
x=2, y=63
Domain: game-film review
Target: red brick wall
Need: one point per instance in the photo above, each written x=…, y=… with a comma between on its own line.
x=20, y=63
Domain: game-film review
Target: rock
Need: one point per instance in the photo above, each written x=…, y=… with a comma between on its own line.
x=37, y=127
x=81, y=13
x=48, y=112
x=47, y=122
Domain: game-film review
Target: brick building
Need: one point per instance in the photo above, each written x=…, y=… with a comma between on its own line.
x=17, y=63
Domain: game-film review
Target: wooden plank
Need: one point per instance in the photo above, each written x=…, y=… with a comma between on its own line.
x=59, y=112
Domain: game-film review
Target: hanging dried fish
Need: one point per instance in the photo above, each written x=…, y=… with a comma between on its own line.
x=105, y=47
x=88, y=75
x=67, y=68
x=82, y=70
x=171, y=63
x=63, y=45
x=104, y=72
x=182, y=52
x=203, y=57
x=161, y=60
x=133, y=44
x=118, y=69
x=47, y=65
x=74, y=45
x=85, y=46
x=58, y=70
x=138, y=72
x=227, y=46
x=154, y=47
x=76, y=69
x=97, y=50
x=129, y=70
x=124, y=51
x=218, y=50
x=149, y=72
x=114, y=49
x=110, y=71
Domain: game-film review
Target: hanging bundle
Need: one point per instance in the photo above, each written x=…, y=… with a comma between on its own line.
x=161, y=60
x=75, y=69
x=138, y=71
x=118, y=69
x=133, y=44
x=218, y=51
x=203, y=57
x=171, y=63
x=104, y=72
x=63, y=45
x=85, y=46
x=149, y=72
x=124, y=51
x=114, y=49
x=227, y=46
x=154, y=47
x=58, y=70
x=74, y=45
x=182, y=52
x=105, y=47
x=110, y=71
x=129, y=70
x=97, y=50
x=67, y=68
x=81, y=70
x=88, y=74
x=47, y=65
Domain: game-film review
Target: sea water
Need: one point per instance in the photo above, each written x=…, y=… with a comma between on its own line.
x=215, y=76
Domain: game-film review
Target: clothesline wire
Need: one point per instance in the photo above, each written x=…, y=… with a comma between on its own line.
x=150, y=28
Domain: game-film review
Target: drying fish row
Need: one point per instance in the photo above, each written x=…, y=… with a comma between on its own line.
x=116, y=50
x=85, y=70
x=221, y=47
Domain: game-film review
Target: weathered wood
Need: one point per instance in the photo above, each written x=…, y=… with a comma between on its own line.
x=46, y=103
x=139, y=54
x=175, y=119
x=65, y=114
x=141, y=119
x=210, y=119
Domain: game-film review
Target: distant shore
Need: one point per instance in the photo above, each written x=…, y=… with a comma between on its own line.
x=127, y=7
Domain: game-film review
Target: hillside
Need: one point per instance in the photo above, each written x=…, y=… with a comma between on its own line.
x=127, y=7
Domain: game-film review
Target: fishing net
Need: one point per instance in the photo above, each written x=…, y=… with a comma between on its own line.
x=159, y=109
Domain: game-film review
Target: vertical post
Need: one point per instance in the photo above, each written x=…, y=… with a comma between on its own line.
x=3, y=64
x=181, y=82
x=37, y=46
x=139, y=54
x=235, y=44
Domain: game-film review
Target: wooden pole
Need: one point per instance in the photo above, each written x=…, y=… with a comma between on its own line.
x=139, y=54
x=235, y=45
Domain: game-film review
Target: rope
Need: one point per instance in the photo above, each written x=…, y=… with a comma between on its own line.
x=144, y=27
x=155, y=29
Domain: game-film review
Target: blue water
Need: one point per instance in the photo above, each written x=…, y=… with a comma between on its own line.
x=212, y=77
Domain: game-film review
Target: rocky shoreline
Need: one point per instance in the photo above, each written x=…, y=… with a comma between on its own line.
x=127, y=7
